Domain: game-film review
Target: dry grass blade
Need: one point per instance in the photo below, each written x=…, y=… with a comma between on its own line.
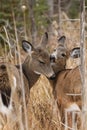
x=22, y=82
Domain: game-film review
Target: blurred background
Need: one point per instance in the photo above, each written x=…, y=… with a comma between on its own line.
x=29, y=19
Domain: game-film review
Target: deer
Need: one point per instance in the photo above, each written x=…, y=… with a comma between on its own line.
x=36, y=63
x=68, y=81
x=10, y=96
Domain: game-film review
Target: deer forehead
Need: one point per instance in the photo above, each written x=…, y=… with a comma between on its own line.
x=41, y=54
x=61, y=49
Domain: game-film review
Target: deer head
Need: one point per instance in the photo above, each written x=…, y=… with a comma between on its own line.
x=38, y=60
x=61, y=54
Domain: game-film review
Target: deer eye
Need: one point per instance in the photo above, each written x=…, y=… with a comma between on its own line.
x=54, y=49
x=64, y=55
x=41, y=62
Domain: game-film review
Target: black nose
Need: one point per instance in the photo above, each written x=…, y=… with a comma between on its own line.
x=52, y=58
x=53, y=76
x=3, y=67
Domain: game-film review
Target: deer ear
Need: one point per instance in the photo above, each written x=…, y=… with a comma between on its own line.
x=75, y=53
x=61, y=40
x=44, y=39
x=27, y=46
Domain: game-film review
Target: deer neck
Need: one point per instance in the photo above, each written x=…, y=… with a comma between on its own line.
x=30, y=75
x=58, y=68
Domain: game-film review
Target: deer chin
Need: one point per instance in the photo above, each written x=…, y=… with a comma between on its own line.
x=38, y=73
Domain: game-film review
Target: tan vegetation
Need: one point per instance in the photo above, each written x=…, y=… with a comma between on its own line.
x=35, y=111
x=43, y=110
x=40, y=110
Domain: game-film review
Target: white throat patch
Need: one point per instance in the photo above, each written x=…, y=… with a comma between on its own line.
x=55, y=54
x=37, y=73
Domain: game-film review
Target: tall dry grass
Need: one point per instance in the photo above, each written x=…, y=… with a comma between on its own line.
x=40, y=107
x=38, y=111
x=43, y=110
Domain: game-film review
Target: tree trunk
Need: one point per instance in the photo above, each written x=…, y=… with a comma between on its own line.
x=50, y=15
x=32, y=18
x=83, y=67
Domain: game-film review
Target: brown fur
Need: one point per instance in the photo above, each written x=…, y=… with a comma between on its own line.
x=68, y=81
x=12, y=95
x=5, y=88
x=37, y=63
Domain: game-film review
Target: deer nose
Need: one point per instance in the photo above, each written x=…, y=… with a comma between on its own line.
x=3, y=67
x=53, y=76
x=52, y=58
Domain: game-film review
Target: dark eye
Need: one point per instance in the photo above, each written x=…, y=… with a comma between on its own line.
x=42, y=62
x=64, y=55
x=54, y=49
x=3, y=67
